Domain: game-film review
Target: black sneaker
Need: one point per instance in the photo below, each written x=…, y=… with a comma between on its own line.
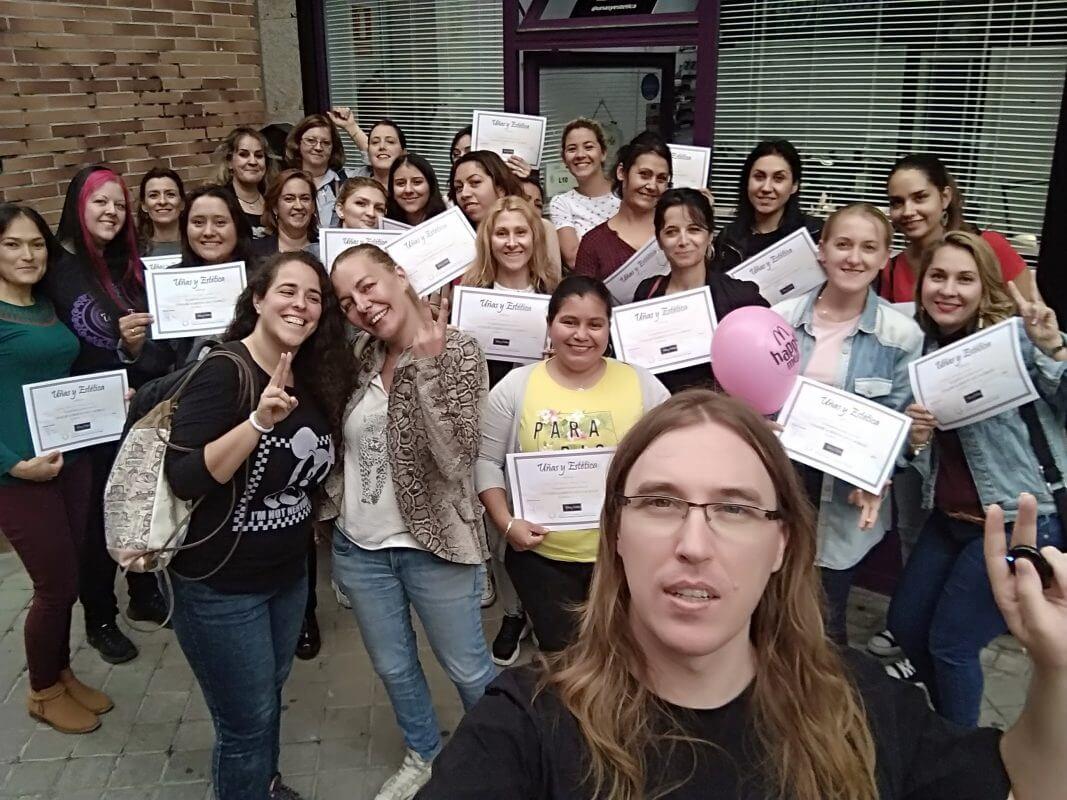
x=506, y=644
x=150, y=609
x=310, y=641
x=279, y=791
x=114, y=646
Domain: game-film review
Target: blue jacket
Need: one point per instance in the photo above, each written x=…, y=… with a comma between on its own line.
x=874, y=364
x=998, y=449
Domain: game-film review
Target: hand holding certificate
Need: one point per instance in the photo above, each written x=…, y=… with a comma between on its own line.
x=335, y=241
x=690, y=166
x=80, y=411
x=510, y=326
x=509, y=135
x=436, y=252
x=848, y=436
x=667, y=333
x=975, y=378
x=559, y=489
x=193, y=301
x=785, y=269
x=645, y=263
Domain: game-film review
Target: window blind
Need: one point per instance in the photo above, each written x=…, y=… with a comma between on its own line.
x=427, y=64
x=855, y=85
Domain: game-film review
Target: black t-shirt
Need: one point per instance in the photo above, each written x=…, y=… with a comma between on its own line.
x=726, y=294
x=511, y=746
x=274, y=516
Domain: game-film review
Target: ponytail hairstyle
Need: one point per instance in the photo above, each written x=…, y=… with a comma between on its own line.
x=119, y=255
x=642, y=144
x=784, y=149
x=482, y=272
x=995, y=304
x=807, y=713
x=504, y=180
x=863, y=210
x=145, y=229
x=938, y=175
x=696, y=203
x=590, y=125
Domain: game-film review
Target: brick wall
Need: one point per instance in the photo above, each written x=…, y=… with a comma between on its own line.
x=129, y=82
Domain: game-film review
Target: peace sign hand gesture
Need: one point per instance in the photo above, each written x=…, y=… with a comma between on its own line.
x=429, y=340
x=1037, y=617
x=275, y=404
x=1039, y=320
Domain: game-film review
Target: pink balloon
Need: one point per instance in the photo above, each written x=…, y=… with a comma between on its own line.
x=756, y=357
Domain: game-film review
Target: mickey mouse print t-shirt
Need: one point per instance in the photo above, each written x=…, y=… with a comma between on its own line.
x=273, y=512
x=557, y=418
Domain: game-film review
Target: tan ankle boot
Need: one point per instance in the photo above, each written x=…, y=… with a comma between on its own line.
x=91, y=699
x=54, y=706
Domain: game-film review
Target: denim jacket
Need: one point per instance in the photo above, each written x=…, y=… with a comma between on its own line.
x=998, y=449
x=874, y=364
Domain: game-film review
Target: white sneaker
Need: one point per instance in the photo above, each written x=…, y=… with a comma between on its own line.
x=902, y=670
x=488, y=589
x=342, y=598
x=407, y=780
x=883, y=644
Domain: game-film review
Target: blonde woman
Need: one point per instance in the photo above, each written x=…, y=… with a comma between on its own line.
x=702, y=668
x=246, y=168
x=361, y=203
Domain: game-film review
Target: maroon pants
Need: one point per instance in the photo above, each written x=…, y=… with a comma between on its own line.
x=45, y=523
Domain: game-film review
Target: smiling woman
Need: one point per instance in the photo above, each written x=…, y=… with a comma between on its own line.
x=162, y=200
x=291, y=217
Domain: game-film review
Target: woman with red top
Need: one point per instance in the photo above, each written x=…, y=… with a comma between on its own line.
x=924, y=204
x=642, y=175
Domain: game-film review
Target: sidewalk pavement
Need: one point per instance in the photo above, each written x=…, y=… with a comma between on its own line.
x=339, y=737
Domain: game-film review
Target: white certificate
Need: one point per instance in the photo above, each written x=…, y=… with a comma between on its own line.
x=193, y=301
x=161, y=262
x=645, y=263
x=690, y=166
x=975, y=378
x=560, y=489
x=387, y=224
x=509, y=135
x=848, y=436
x=667, y=333
x=510, y=326
x=435, y=252
x=334, y=241
x=785, y=269
x=80, y=411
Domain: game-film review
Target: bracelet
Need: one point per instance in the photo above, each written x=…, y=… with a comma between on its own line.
x=511, y=522
x=919, y=448
x=255, y=424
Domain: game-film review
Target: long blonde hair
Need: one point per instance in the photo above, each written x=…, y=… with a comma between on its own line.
x=482, y=271
x=995, y=304
x=806, y=712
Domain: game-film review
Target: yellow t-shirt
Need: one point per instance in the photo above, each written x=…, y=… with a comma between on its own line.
x=556, y=418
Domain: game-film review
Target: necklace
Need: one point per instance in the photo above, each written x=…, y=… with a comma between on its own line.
x=253, y=202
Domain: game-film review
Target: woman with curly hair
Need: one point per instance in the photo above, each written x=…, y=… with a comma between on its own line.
x=246, y=168
x=239, y=594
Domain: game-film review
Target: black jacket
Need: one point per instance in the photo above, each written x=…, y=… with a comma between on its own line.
x=737, y=243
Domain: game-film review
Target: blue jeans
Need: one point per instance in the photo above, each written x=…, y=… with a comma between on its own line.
x=241, y=647
x=943, y=612
x=383, y=585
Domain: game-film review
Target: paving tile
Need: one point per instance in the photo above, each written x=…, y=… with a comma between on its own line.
x=299, y=758
x=188, y=766
x=33, y=777
x=150, y=737
x=339, y=784
x=91, y=772
x=107, y=740
x=47, y=743
x=137, y=769
x=163, y=707
x=185, y=791
x=194, y=735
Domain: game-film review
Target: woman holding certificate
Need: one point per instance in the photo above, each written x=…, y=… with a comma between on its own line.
x=576, y=400
x=592, y=202
x=162, y=200
x=408, y=527
x=97, y=288
x=361, y=203
x=702, y=660
x=768, y=205
x=291, y=218
x=944, y=611
x=642, y=175
x=247, y=169
x=851, y=340
x=684, y=224
x=925, y=202
x=414, y=195
x=258, y=440
x=478, y=180
x=44, y=500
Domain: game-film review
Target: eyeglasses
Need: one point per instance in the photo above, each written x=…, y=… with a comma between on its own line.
x=313, y=143
x=722, y=517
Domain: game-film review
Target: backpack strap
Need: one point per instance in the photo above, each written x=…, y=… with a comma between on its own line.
x=1049, y=471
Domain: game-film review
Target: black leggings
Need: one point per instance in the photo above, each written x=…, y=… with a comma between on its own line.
x=549, y=590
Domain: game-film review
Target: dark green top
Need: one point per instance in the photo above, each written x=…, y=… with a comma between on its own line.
x=34, y=346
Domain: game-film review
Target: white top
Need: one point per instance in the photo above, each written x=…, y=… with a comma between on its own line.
x=325, y=199
x=574, y=210
x=502, y=288
x=370, y=516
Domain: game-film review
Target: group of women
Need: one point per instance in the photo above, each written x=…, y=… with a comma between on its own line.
x=342, y=405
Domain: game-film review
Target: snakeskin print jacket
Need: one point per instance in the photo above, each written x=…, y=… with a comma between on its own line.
x=432, y=433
